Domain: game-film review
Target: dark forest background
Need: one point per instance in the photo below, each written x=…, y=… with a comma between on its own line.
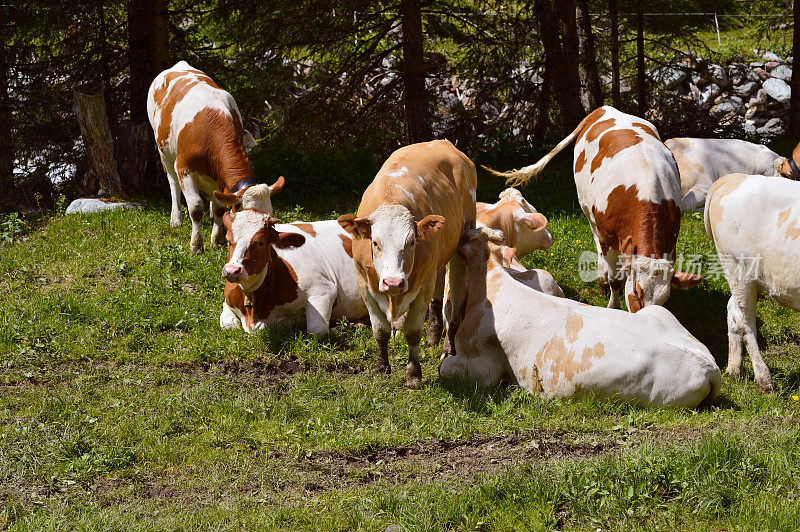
x=334, y=82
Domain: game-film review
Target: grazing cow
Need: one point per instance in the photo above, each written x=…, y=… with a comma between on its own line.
x=789, y=166
x=703, y=161
x=628, y=188
x=287, y=272
x=198, y=130
x=524, y=228
x=407, y=228
x=561, y=348
x=754, y=222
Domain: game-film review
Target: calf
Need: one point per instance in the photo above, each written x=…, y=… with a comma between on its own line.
x=754, y=222
x=522, y=225
x=561, y=348
x=628, y=188
x=703, y=161
x=287, y=272
x=406, y=230
x=198, y=130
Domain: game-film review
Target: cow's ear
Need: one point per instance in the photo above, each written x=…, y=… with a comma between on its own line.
x=227, y=219
x=429, y=225
x=247, y=140
x=277, y=186
x=683, y=280
x=228, y=199
x=358, y=227
x=508, y=255
x=289, y=240
x=535, y=221
x=271, y=220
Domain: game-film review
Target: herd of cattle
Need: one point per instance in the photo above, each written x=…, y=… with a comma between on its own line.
x=421, y=245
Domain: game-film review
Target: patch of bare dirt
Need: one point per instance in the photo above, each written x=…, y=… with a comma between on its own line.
x=437, y=460
x=263, y=371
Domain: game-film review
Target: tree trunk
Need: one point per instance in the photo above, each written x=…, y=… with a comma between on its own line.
x=587, y=59
x=415, y=96
x=132, y=141
x=794, y=108
x=6, y=146
x=90, y=110
x=616, y=99
x=148, y=52
x=548, y=33
x=641, y=81
x=569, y=81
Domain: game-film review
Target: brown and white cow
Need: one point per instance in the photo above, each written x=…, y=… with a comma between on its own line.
x=406, y=230
x=283, y=273
x=703, y=161
x=522, y=225
x=789, y=165
x=198, y=130
x=754, y=222
x=629, y=189
x=557, y=347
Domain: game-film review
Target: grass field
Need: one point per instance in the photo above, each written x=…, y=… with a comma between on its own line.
x=123, y=406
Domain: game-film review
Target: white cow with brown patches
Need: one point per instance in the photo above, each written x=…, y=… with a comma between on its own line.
x=629, y=189
x=702, y=161
x=198, y=130
x=407, y=228
x=561, y=348
x=754, y=222
x=523, y=226
x=284, y=273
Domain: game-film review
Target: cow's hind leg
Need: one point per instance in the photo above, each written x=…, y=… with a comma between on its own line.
x=435, y=323
x=742, y=312
x=194, y=200
x=319, y=309
x=412, y=330
x=175, y=216
x=609, y=277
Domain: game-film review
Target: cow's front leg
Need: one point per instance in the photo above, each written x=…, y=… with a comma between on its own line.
x=228, y=319
x=412, y=330
x=318, y=311
x=610, y=276
x=435, y=324
x=218, y=230
x=381, y=330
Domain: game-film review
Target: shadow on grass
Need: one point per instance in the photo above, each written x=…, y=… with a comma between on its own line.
x=477, y=398
x=704, y=313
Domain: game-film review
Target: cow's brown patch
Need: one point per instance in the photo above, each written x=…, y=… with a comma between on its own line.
x=211, y=145
x=590, y=119
x=612, y=143
x=306, y=228
x=179, y=89
x=637, y=227
x=580, y=161
x=793, y=230
x=599, y=128
x=347, y=244
x=574, y=326
x=501, y=217
x=721, y=188
x=783, y=216
x=636, y=298
x=279, y=288
x=566, y=362
x=647, y=129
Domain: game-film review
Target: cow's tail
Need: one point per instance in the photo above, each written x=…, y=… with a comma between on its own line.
x=523, y=175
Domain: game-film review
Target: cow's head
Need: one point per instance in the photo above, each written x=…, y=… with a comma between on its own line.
x=251, y=237
x=253, y=197
x=529, y=226
x=393, y=236
x=650, y=280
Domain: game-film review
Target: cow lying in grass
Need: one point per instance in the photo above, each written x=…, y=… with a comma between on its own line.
x=754, y=222
x=522, y=225
x=198, y=130
x=561, y=348
x=703, y=161
x=287, y=273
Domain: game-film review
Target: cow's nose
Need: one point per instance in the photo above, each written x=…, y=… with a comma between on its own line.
x=231, y=272
x=392, y=284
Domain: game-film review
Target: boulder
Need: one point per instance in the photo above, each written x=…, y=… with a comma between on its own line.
x=778, y=89
x=745, y=89
x=749, y=128
x=707, y=95
x=94, y=205
x=769, y=66
x=761, y=98
x=782, y=72
x=751, y=75
x=718, y=75
x=761, y=73
x=772, y=128
x=669, y=77
x=756, y=65
x=727, y=105
x=769, y=56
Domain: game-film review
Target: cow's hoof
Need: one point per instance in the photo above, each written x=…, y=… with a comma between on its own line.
x=383, y=369
x=197, y=250
x=413, y=376
x=413, y=383
x=733, y=375
x=175, y=223
x=434, y=334
x=766, y=386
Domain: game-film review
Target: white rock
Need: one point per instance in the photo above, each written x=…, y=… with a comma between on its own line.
x=782, y=72
x=727, y=106
x=777, y=89
x=718, y=75
x=772, y=128
x=769, y=56
x=93, y=205
x=745, y=89
x=707, y=95
x=761, y=97
x=790, y=60
x=749, y=128
x=669, y=77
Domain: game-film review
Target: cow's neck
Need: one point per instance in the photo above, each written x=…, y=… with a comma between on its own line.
x=229, y=164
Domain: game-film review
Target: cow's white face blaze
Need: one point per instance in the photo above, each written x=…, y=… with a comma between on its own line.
x=393, y=236
x=650, y=281
x=250, y=236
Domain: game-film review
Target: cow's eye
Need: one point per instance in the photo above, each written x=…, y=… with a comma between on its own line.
x=259, y=243
x=412, y=243
x=374, y=244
